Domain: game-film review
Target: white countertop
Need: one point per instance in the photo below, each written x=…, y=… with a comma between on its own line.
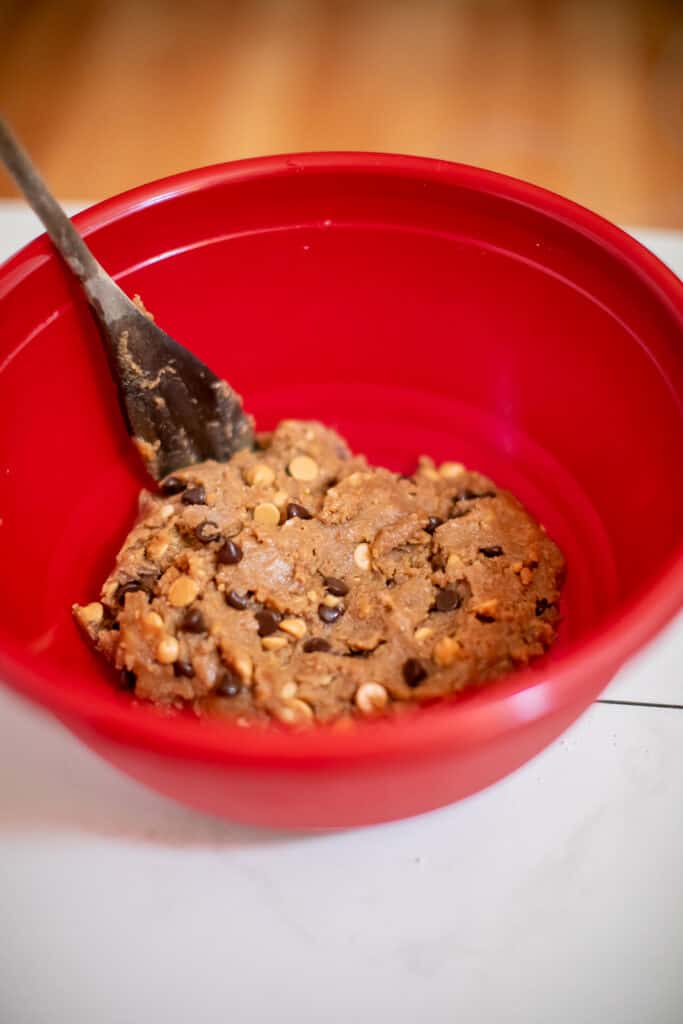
x=548, y=899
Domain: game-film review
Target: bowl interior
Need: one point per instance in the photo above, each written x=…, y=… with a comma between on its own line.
x=414, y=308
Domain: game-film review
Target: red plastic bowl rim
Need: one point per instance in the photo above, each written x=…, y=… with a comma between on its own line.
x=487, y=713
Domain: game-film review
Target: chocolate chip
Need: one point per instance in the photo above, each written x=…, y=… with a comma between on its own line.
x=193, y=621
x=237, y=600
x=268, y=621
x=316, y=644
x=357, y=654
x=207, y=532
x=228, y=685
x=329, y=615
x=414, y=672
x=126, y=680
x=127, y=588
x=172, y=485
x=458, y=513
x=334, y=586
x=483, y=617
x=296, y=511
x=194, y=496
x=229, y=554
x=495, y=552
x=183, y=667
x=542, y=605
x=390, y=583
x=468, y=495
x=447, y=600
x=432, y=524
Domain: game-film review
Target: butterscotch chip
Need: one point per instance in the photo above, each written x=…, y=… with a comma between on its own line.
x=302, y=710
x=152, y=622
x=446, y=651
x=486, y=609
x=182, y=591
x=303, y=467
x=157, y=546
x=259, y=475
x=423, y=633
x=244, y=666
x=273, y=643
x=295, y=627
x=451, y=470
x=371, y=697
x=92, y=613
x=361, y=556
x=167, y=650
x=267, y=514
x=350, y=592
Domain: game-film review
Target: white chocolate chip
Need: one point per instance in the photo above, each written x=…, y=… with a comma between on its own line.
x=274, y=643
x=361, y=556
x=182, y=591
x=331, y=601
x=371, y=697
x=288, y=691
x=267, y=514
x=259, y=475
x=167, y=511
x=92, y=613
x=423, y=633
x=295, y=627
x=167, y=650
x=312, y=596
x=279, y=498
x=303, y=467
x=446, y=651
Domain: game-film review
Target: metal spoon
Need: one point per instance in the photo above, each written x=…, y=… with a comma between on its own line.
x=176, y=410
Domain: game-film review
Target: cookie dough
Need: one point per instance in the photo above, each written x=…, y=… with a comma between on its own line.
x=298, y=583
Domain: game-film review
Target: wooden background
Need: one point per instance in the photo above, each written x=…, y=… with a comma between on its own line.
x=582, y=96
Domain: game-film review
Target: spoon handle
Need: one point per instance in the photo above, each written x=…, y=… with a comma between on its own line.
x=64, y=236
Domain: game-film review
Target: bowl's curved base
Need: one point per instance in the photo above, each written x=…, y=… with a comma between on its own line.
x=335, y=795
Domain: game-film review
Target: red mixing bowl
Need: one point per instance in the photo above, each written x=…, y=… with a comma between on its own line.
x=416, y=306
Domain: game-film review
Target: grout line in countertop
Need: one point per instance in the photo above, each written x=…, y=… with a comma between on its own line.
x=641, y=704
